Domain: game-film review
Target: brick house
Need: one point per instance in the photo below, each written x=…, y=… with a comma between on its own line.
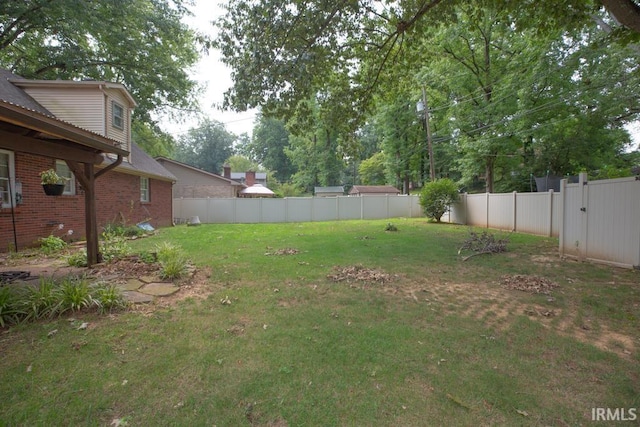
x=198, y=183
x=82, y=130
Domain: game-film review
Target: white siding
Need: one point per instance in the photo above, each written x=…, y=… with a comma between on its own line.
x=82, y=107
x=121, y=135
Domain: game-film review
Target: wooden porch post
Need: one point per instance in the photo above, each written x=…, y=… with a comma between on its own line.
x=91, y=221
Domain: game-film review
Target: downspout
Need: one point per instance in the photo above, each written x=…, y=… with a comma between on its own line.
x=108, y=168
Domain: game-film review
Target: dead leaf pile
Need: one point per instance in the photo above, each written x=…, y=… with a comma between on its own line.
x=358, y=273
x=528, y=283
x=285, y=251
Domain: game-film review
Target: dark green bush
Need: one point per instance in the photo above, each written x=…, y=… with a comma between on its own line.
x=437, y=196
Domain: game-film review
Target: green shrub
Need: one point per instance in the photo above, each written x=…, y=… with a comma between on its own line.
x=122, y=230
x=78, y=259
x=437, y=196
x=113, y=246
x=51, y=244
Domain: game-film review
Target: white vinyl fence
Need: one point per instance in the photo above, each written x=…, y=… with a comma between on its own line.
x=532, y=213
x=593, y=220
x=296, y=209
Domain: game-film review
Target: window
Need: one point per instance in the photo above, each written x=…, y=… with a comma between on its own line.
x=144, y=189
x=117, y=112
x=63, y=170
x=6, y=178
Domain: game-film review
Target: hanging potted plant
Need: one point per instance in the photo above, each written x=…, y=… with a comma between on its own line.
x=52, y=183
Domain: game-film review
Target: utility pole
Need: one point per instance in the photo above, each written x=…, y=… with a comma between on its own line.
x=432, y=168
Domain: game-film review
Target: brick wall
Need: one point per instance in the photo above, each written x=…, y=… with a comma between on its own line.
x=117, y=200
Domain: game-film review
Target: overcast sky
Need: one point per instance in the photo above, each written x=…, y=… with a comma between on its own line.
x=214, y=75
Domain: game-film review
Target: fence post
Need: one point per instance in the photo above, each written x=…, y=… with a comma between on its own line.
x=515, y=204
x=387, y=200
x=550, y=234
x=486, y=216
x=584, y=217
x=466, y=214
x=563, y=196
x=235, y=210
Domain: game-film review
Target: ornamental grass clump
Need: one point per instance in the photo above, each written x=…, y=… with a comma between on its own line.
x=173, y=261
x=53, y=297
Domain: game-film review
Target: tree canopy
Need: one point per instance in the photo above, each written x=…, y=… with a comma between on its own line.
x=296, y=48
x=516, y=88
x=207, y=146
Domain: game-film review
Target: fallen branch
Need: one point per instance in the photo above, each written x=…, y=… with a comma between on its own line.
x=484, y=243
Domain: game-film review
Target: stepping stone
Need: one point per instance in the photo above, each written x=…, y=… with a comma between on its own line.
x=159, y=289
x=131, y=285
x=137, y=297
x=148, y=279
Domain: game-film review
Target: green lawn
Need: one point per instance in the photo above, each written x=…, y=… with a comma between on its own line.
x=442, y=343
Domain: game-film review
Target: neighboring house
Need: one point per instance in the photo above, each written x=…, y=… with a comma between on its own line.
x=246, y=177
x=197, y=183
x=373, y=190
x=81, y=129
x=328, y=191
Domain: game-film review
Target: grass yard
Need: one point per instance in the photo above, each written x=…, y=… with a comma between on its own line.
x=265, y=337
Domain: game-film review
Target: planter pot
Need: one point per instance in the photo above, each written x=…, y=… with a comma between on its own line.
x=53, y=189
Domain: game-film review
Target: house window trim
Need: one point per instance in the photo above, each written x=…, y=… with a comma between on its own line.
x=115, y=117
x=12, y=180
x=70, y=186
x=145, y=194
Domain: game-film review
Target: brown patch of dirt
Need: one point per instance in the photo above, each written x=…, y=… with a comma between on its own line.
x=359, y=273
x=497, y=307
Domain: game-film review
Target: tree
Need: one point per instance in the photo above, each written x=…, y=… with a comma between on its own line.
x=267, y=147
x=140, y=43
x=206, y=146
x=239, y=163
x=152, y=139
x=372, y=170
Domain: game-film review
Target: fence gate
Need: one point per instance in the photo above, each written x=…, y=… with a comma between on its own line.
x=601, y=221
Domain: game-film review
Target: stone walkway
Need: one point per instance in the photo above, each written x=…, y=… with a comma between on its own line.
x=136, y=290
x=145, y=289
